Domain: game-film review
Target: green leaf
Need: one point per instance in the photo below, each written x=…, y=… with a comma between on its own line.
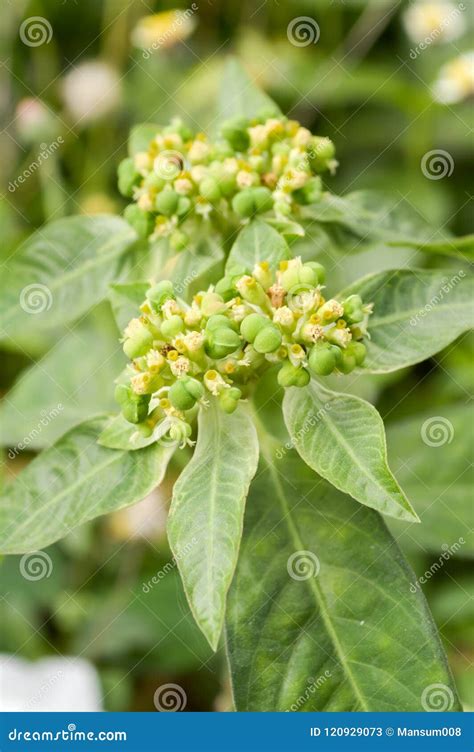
x=120, y=434
x=256, y=242
x=74, y=481
x=432, y=457
x=462, y=247
x=190, y=270
x=240, y=96
x=416, y=314
x=126, y=300
x=62, y=270
x=71, y=383
x=206, y=515
x=342, y=438
x=320, y=615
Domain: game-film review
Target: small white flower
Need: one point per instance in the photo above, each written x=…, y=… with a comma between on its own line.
x=180, y=366
x=283, y=316
x=434, y=22
x=91, y=91
x=456, y=80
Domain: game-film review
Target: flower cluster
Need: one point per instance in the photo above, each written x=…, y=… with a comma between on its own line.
x=218, y=346
x=263, y=165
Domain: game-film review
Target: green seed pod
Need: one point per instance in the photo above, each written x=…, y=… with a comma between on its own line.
x=322, y=359
x=268, y=339
x=321, y=152
x=358, y=350
x=139, y=343
x=218, y=320
x=227, y=185
x=263, y=199
x=318, y=269
x=235, y=132
x=290, y=278
x=184, y=393
x=134, y=406
x=251, y=325
x=243, y=203
x=229, y=399
x=160, y=293
x=153, y=180
x=142, y=222
x=184, y=206
x=353, y=312
x=209, y=189
x=128, y=177
x=178, y=240
x=347, y=363
x=222, y=342
x=172, y=326
x=290, y=375
x=310, y=192
x=166, y=202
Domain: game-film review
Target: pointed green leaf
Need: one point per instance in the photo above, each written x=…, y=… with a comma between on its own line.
x=342, y=438
x=416, y=314
x=257, y=242
x=126, y=300
x=73, y=482
x=206, y=515
x=62, y=270
x=118, y=433
x=240, y=96
x=190, y=270
x=320, y=614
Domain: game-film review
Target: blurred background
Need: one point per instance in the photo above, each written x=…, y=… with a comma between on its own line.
x=387, y=81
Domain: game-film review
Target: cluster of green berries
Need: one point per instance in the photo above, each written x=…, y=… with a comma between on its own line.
x=257, y=166
x=219, y=345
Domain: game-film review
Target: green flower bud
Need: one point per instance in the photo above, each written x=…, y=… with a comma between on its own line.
x=184, y=393
x=243, y=203
x=226, y=288
x=322, y=359
x=142, y=222
x=166, y=202
x=172, y=326
x=184, y=206
x=128, y=177
x=310, y=192
x=178, y=240
x=251, y=326
x=263, y=199
x=139, y=343
x=252, y=291
x=227, y=185
x=263, y=274
x=209, y=189
x=235, y=132
x=318, y=269
x=353, y=312
x=321, y=152
x=290, y=375
x=218, y=320
x=154, y=181
x=222, y=342
x=268, y=339
x=160, y=293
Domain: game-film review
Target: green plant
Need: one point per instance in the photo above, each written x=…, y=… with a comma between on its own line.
x=235, y=337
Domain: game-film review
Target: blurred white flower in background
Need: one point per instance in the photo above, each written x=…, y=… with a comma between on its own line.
x=91, y=90
x=438, y=21
x=147, y=519
x=455, y=81
x=164, y=29
x=53, y=684
x=33, y=120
